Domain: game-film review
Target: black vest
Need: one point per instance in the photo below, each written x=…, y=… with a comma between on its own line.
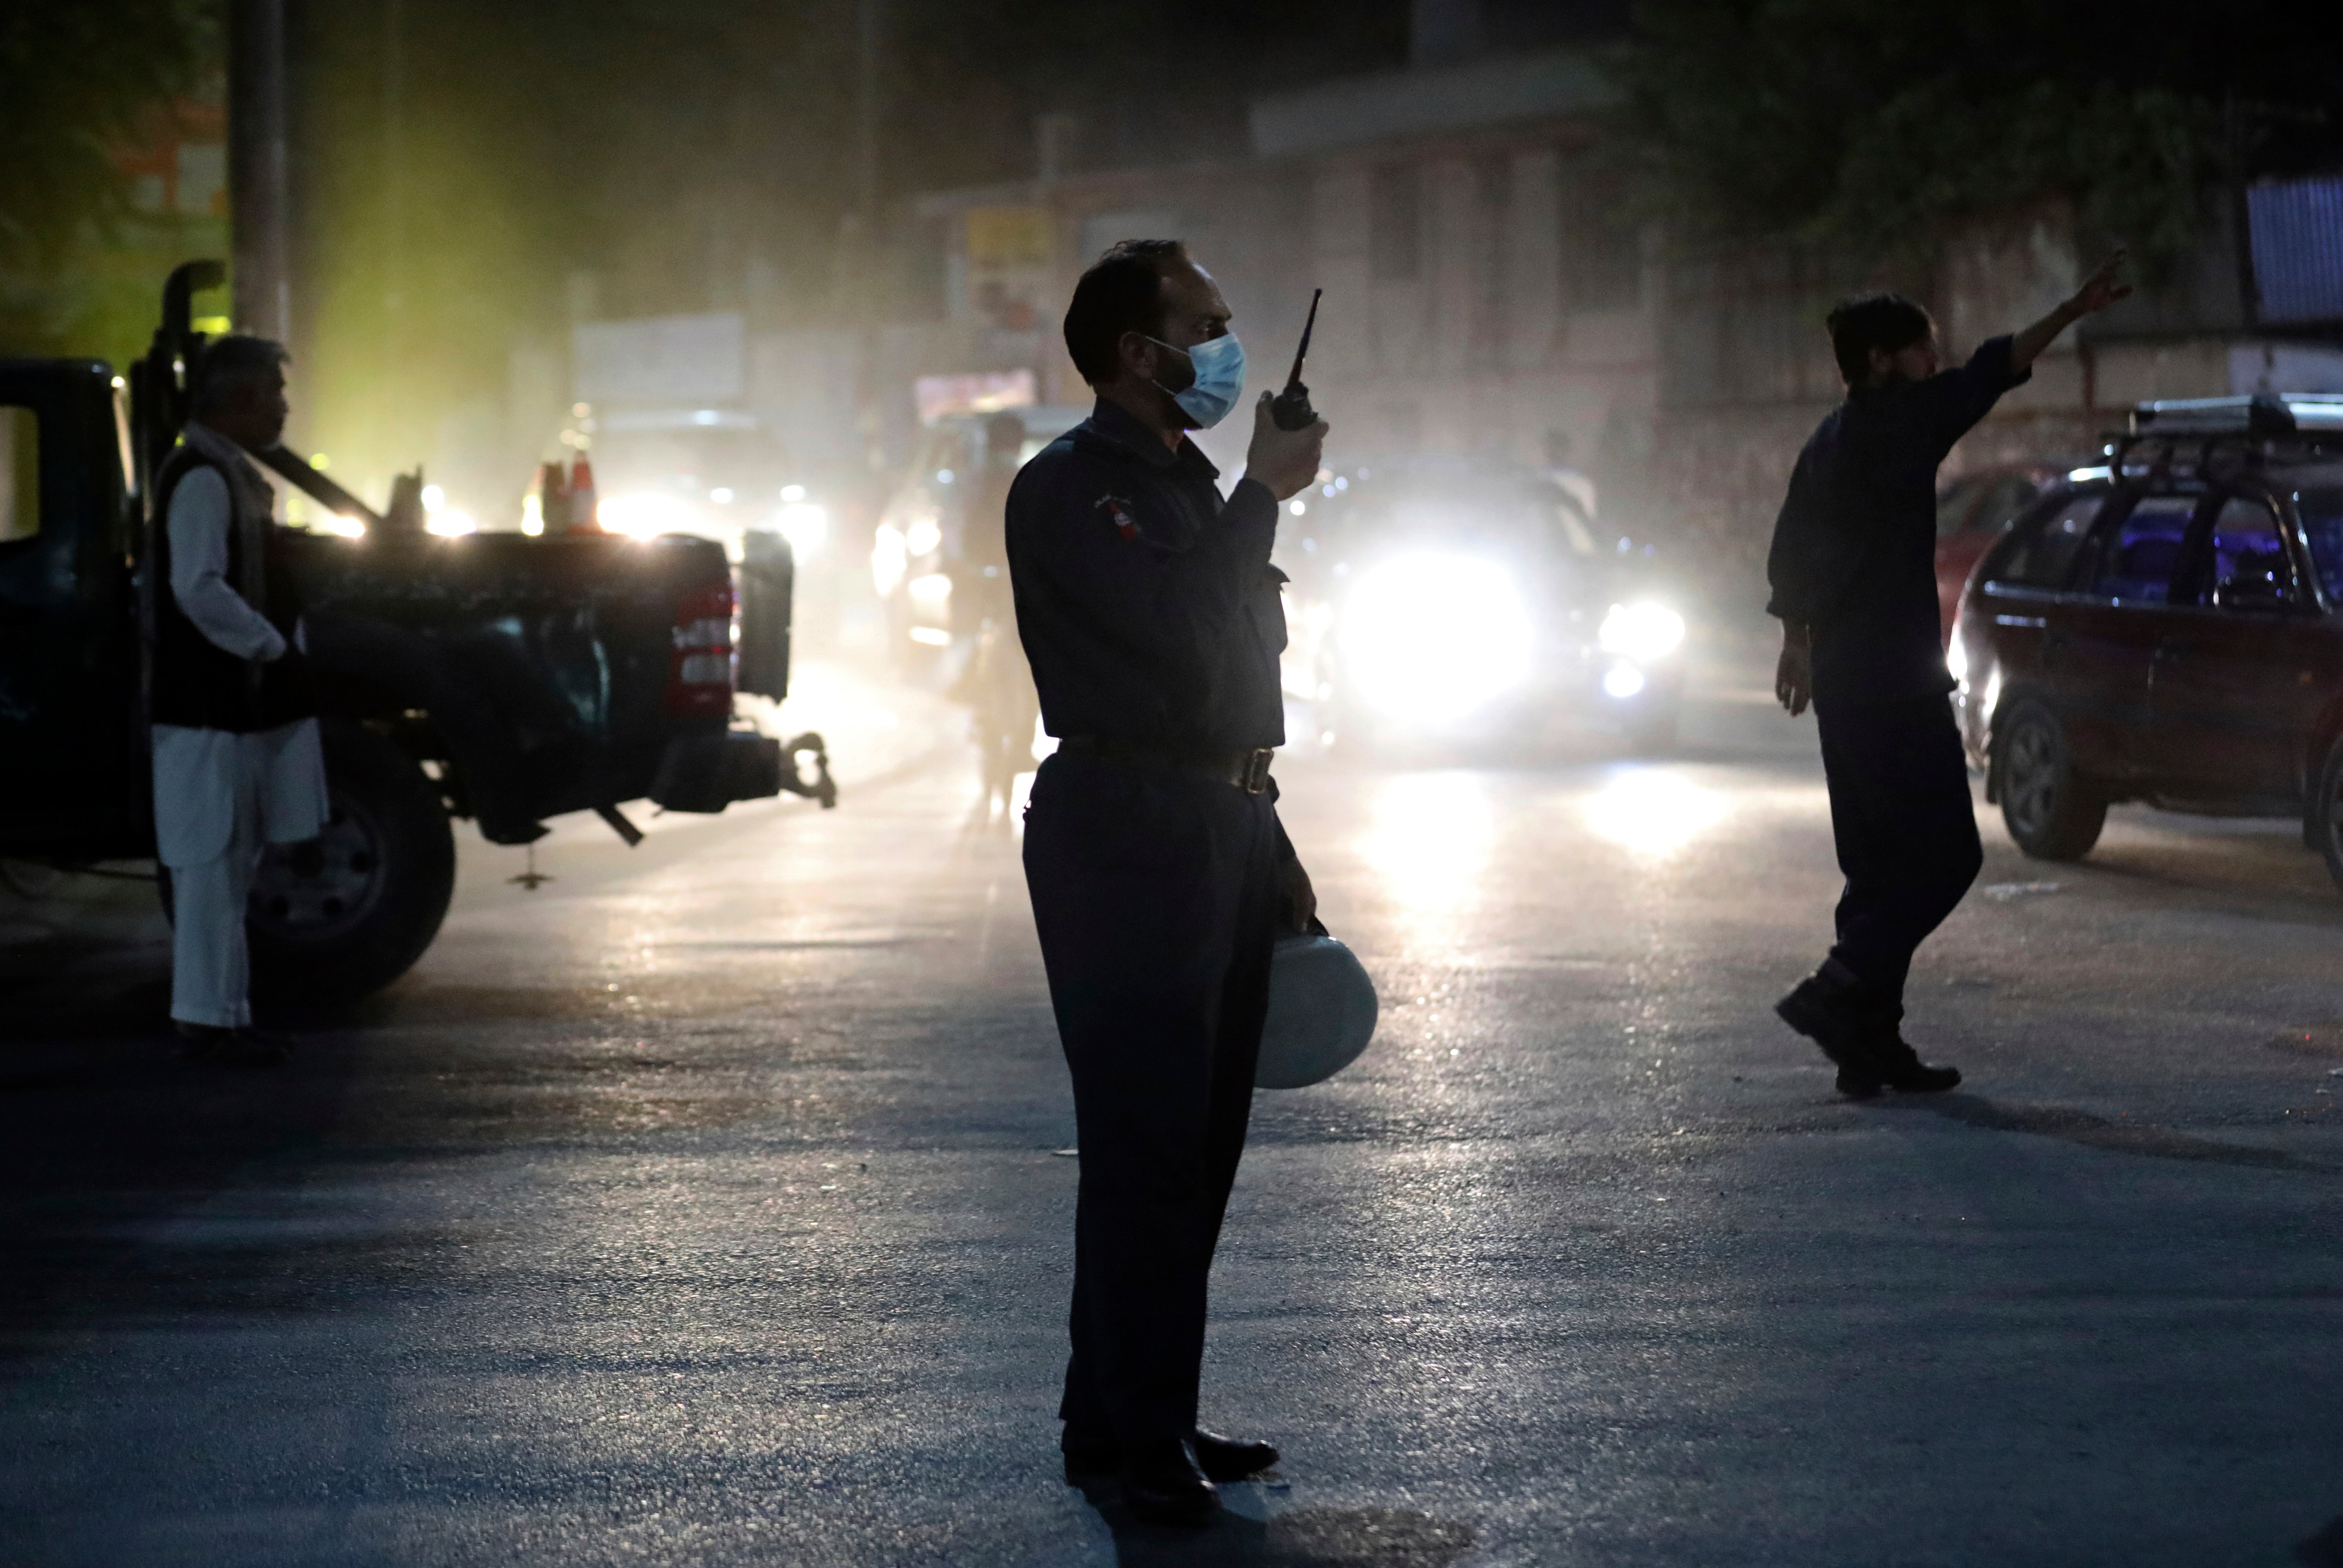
x=197, y=683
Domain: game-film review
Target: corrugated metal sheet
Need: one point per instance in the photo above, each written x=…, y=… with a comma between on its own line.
x=2297, y=236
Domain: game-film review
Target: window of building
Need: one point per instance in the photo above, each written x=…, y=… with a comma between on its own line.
x=1395, y=223
x=20, y=473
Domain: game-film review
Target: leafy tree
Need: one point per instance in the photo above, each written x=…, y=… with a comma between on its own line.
x=76, y=78
x=1877, y=124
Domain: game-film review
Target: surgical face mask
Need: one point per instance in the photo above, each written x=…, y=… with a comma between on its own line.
x=1219, y=375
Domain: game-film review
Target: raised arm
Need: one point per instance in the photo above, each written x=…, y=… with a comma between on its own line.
x=2098, y=291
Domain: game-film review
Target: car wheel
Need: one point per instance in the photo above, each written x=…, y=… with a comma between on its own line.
x=2325, y=823
x=2050, y=812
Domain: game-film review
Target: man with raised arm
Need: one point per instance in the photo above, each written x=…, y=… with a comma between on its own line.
x=1853, y=574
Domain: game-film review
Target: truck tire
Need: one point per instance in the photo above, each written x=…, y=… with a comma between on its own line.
x=351, y=910
x=2325, y=818
x=348, y=912
x=2051, y=813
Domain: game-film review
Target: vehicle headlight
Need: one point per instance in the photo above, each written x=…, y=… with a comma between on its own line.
x=806, y=525
x=888, y=558
x=644, y=514
x=1643, y=632
x=1427, y=634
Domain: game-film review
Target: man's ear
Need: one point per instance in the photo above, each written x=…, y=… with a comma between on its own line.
x=1136, y=354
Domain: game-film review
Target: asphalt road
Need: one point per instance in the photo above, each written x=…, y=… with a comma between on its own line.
x=712, y=1204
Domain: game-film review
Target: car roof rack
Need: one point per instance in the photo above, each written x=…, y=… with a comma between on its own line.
x=2261, y=414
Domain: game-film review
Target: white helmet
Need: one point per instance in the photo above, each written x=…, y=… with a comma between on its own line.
x=1322, y=1012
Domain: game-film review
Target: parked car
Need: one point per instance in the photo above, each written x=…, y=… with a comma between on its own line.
x=1447, y=600
x=2165, y=627
x=1972, y=513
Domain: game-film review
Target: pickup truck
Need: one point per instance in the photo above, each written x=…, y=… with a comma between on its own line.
x=494, y=676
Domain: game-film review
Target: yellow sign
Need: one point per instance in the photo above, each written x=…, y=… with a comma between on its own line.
x=1009, y=237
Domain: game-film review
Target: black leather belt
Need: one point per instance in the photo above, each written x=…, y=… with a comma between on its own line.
x=1248, y=770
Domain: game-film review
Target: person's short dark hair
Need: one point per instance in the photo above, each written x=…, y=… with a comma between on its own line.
x=1887, y=322
x=1122, y=292
x=227, y=365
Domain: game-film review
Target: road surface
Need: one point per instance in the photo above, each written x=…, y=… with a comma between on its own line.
x=712, y=1204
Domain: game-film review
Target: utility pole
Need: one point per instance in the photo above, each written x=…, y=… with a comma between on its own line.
x=260, y=195
x=392, y=365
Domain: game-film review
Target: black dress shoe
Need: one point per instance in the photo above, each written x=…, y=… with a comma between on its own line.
x=1890, y=1064
x=1229, y=1458
x=1220, y=1458
x=1162, y=1484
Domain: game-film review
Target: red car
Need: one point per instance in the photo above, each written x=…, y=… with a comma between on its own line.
x=1973, y=511
x=2169, y=627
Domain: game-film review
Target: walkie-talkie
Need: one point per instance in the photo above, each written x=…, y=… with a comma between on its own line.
x=1291, y=408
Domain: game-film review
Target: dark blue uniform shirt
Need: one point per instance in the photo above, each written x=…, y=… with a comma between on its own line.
x=1147, y=605
x=1854, y=550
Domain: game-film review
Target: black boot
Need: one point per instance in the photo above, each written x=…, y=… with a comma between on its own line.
x=1162, y=1484
x=1830, y=1007
x=1888, y=1063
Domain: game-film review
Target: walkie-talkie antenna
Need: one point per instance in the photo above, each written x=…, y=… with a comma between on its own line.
x=1308, y=326
x=1291, y=408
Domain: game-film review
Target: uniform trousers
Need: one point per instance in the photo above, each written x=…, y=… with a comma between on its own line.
x=1154, y=896
x=220, y=798
x=1906, y=832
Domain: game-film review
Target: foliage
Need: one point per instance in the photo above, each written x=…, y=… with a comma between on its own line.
x=78, y=77
x=1877, y=124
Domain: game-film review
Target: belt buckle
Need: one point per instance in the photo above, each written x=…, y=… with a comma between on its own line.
x=1256, y=770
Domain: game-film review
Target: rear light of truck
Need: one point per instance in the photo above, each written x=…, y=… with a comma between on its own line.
x=700, y=672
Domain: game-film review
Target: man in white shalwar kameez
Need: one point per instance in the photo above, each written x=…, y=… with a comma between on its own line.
x=237, y=760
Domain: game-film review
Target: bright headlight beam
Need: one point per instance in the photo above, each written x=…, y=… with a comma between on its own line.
x=644, y=515
x=806, y=527
x=1642, y=632
x=1424, y=634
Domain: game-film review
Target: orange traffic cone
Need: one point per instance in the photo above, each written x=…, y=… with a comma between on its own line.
x=583, y=518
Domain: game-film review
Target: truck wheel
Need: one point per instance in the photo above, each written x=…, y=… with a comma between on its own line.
x=352, y=909
x=2326, y=814
x=2051, y=813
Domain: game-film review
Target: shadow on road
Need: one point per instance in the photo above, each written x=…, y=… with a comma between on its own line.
x=1300, y=1538
x=103, y=1129
x=2081, y=1127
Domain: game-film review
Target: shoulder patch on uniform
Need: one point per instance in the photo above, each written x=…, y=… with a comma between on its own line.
x=1116, y=509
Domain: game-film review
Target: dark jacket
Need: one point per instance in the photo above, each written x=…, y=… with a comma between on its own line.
x=1146, y=604
x=1855, y=549
x=197, y=683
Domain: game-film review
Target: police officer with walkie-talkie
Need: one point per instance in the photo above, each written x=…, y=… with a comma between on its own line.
x=1159, y=872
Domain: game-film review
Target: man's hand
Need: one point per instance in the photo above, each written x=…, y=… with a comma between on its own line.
x=2098, y=291
x=1794, y=675
x=1284, y=460
x=1298, y=897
